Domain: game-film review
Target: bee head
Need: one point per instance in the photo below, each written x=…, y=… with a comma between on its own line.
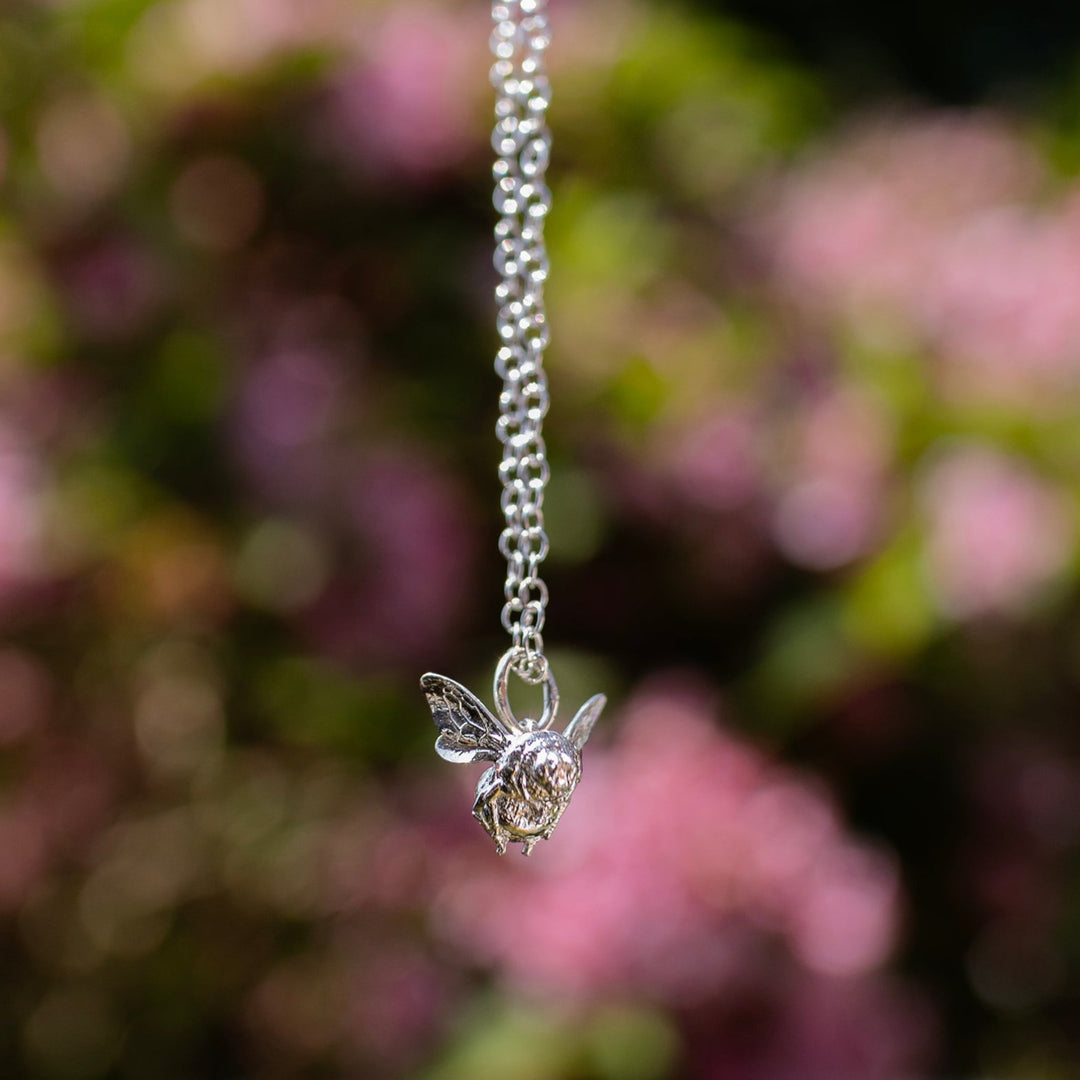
x=552, y=765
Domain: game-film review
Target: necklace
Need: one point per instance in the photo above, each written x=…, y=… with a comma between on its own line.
x=535, y=769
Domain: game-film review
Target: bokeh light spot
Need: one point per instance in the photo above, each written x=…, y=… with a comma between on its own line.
x=217, y=203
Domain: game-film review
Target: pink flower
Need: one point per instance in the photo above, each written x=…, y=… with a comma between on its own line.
x=301, y=394
x=934, y=234
x=859, y=230
x=691, y=872
x=683, y=855
x=1001, y=304
x=829, y=511
x=407, y=109
x=398, y=549
x=290, y=406
x=409, y=584
x=998, y=534
x=715, y=464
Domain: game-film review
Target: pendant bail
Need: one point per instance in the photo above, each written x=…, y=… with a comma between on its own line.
x=514, y=659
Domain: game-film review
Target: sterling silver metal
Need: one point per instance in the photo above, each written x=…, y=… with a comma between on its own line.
x=522, y=144
x=522, y=796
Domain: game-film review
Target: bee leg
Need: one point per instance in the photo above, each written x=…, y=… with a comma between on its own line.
x=494, y=827
x=555, y=821
x=486, y=809
x=528, y=845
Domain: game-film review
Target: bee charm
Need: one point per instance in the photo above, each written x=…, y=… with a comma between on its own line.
x=535, y=770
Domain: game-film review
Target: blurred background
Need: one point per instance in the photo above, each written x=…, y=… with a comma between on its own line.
x=814, y=522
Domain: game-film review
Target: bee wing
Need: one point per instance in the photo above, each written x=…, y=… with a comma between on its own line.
x=467, y=729
x=580, y=728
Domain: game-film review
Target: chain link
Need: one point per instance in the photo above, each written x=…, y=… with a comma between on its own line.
x=522, y=144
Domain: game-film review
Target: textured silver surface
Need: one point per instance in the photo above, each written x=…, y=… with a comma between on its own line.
x=534, y=770
x=522, y=144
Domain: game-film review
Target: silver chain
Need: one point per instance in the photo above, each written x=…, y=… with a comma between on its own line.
x=522, y=144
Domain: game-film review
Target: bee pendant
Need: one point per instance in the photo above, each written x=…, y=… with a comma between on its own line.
x=524, y=793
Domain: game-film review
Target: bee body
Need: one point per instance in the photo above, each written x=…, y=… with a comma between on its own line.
x=522, y=796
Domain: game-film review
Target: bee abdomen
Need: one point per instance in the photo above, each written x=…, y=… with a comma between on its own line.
x=525, y=816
